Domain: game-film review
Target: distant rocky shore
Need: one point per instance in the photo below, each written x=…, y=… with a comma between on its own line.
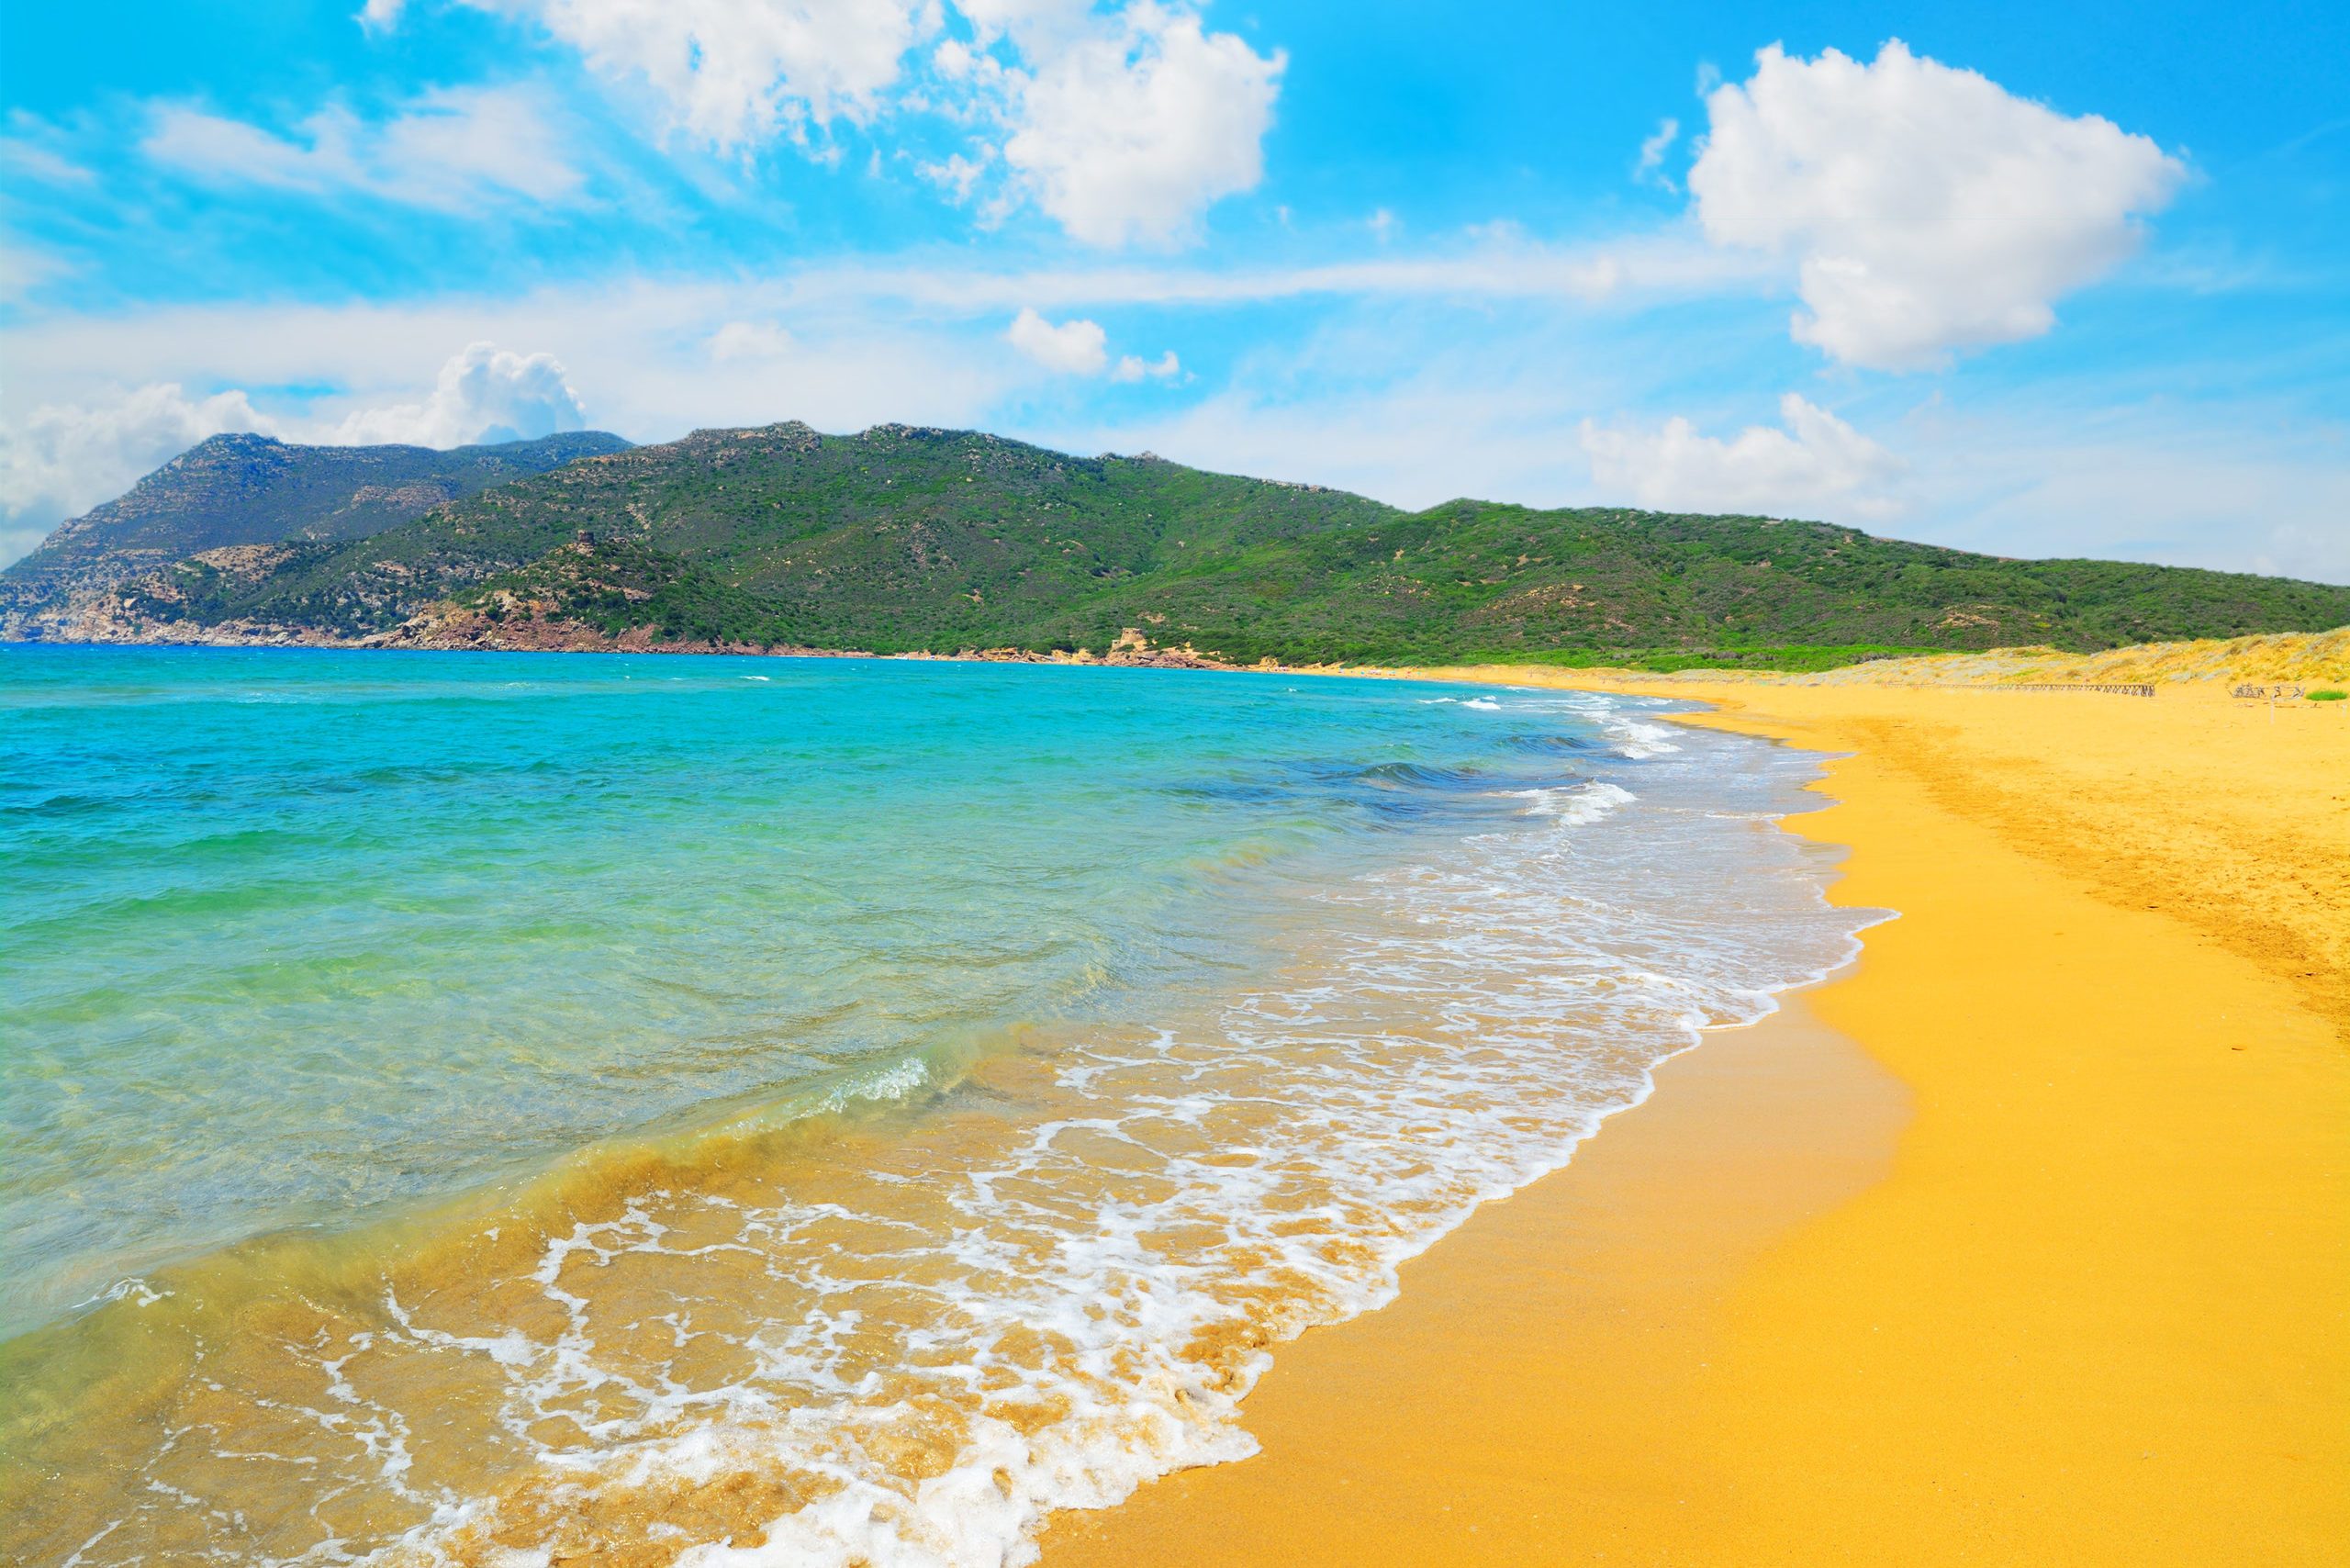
x=117, y=615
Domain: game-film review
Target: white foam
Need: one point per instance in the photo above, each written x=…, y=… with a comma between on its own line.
x=1486, y=1011
x=1637, y=739
x=1575, y=805
x=893, y=1083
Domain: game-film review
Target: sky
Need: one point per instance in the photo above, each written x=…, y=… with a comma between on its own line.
x=2031, y=280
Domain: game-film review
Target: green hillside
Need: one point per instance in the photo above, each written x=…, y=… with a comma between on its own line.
x=903, y=539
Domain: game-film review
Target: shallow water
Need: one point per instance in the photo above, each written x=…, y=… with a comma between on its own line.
x=474, y=1108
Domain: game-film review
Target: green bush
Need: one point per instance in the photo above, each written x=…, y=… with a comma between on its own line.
x=2328, y=695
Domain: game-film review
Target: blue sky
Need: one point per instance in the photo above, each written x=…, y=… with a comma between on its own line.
x=2026, y=279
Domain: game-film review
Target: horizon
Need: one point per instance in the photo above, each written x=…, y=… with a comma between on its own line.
x=1949, y=279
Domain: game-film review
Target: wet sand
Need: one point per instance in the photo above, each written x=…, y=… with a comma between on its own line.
x=2051, y=1263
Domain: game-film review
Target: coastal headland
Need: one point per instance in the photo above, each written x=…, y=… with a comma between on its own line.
x=2025, y=1240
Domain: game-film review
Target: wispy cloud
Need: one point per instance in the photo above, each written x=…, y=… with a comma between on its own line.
x=452, y=148
x=1649, y=168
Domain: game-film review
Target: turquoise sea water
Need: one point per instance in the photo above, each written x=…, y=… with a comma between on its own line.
x=1278, y=977
x=292, y=934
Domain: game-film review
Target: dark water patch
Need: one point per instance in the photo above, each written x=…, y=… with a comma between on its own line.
x=1396, y=794
x=1551, y=744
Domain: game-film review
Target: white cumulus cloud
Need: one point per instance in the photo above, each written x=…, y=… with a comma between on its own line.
x=484, y=393
x=1930, y=209
x=451, y=148
x=1132, y=134
x=1075, y=347
x=737, y=73
x=1134, y=367
x=1817, y=466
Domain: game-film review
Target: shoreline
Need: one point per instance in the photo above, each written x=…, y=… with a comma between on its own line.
x=2092, y=1313
x=1751, y=1132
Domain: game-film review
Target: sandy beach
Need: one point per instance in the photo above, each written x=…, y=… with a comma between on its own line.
x=2026, y=1240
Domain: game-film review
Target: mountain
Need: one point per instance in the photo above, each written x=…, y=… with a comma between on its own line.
x=252, y=489
x=909, y=539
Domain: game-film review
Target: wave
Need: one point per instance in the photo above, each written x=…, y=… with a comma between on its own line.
x=1577, y=805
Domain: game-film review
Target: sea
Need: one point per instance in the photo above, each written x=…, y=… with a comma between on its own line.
x=519, y=1109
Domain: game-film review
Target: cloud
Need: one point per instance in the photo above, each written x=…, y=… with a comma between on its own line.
x=1454, y=421
x=29, y=156
x=1494, y=266
x=1131, y=135
x=1073, y=348
x=1649, y=170
x=1032, y=22
x=1930, y=209
x=750, y=339
x=1123, y=128
x=1079, y=347
x=1132, y=367
x=1817, y=465
x=956, y=173
x=64, y=458
x=22, y=271
x=484, y=394
x=733, y=75
x=2238, y=488
x=452, y=148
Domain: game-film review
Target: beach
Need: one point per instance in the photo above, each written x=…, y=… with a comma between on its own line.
x=2031, y=1245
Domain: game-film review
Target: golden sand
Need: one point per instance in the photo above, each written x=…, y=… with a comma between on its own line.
x=2098, y=1310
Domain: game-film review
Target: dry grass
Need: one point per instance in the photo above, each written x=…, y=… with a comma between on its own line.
x=2309, y=658
x=2304, y=656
